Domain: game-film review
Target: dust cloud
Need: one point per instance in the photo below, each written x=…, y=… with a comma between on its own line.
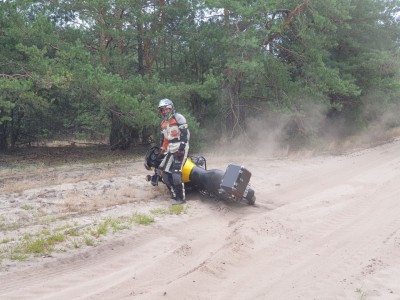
x=313, y=128
x=275, y=134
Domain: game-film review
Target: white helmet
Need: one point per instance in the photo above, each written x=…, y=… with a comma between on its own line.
x=166, y=103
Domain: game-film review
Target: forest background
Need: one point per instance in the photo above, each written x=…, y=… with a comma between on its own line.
x=94, y=70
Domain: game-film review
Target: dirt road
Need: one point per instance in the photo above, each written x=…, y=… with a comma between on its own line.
x=325, y=227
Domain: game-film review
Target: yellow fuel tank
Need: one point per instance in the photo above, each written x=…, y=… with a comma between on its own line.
x=187, y=169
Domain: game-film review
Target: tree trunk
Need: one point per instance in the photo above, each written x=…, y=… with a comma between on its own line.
x=103, y=40
x=235, y=116
x=17, y=116
x=119, y=14
x=119, y=137
x=140, y=51
x=122, y=136
x=3, y=137
x=150, y=48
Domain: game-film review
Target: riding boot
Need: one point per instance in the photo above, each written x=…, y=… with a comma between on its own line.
x=180, y=194
x=172, y=192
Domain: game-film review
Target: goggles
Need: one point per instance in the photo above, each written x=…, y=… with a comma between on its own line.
x=164, y=110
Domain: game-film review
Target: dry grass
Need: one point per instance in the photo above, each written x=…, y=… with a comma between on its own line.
x=51, y=206
x=48, y=177
x=77, y=202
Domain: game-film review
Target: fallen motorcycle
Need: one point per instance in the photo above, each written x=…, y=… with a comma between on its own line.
x=231, y=185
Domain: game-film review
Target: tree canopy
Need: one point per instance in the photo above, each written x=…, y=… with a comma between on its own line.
x=96, y=69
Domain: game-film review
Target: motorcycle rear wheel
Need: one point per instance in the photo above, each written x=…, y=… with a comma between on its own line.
x=251, y=197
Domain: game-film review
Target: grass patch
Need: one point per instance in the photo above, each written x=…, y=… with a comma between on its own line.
x=176, y=209
x=18, y=256
x=361, y=293
x=27, y=207
x=4, y=226
x=46, y=232
x=142, y=219
x=57, y=238
x=76, y=243
x=119, y=224
x=43, y=245
x=158, y=211
x=102, y=229
x=73, y=232
x=5, y=240
x=89, y=241
x=70, y=235
x=38, y=246
x=28, y=244
x=172, y=210
x=27, y=236
x=62, y=228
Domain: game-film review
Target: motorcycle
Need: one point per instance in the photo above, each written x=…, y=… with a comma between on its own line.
x=231, y=185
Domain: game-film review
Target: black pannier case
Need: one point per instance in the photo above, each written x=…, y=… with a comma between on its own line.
x=235, y=180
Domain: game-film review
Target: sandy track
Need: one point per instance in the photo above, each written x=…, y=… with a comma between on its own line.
x=326, y=227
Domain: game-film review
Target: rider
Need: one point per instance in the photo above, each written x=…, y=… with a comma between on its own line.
x=175, y=146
